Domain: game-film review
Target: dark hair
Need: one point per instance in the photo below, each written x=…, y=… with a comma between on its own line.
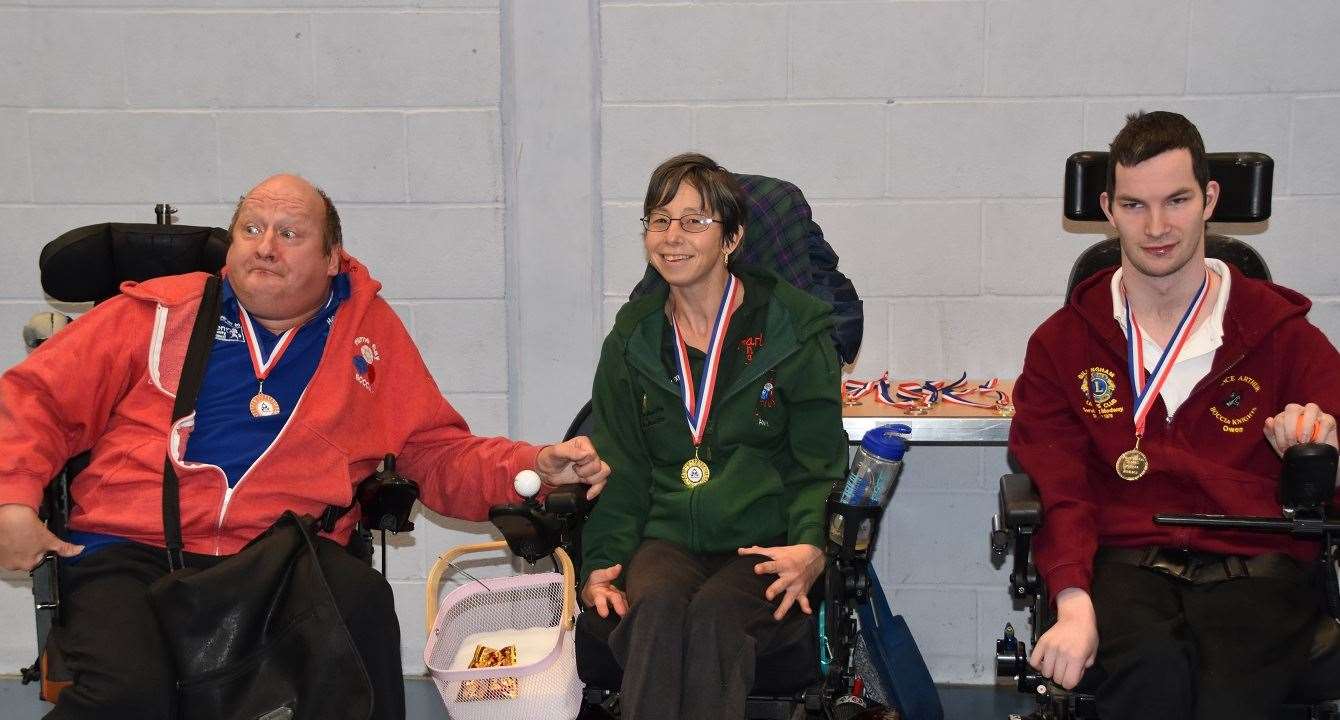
x=1149, y=134
x=332, y=235
x=720, y=190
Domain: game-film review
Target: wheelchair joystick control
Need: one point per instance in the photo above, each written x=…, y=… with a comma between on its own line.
x=527, y=484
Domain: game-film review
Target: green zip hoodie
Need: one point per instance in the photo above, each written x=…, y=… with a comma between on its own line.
x=774, y=452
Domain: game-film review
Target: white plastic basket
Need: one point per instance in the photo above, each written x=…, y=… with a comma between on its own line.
x=533, y=612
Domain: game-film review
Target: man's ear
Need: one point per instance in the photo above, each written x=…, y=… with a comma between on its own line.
x=1211, y=199
x=333, y=262
x=1106, y=203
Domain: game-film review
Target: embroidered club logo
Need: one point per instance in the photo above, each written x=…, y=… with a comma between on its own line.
x=1099, y=386
x=1235, y=403
x=751, y=345
x=768, y=396
x=365, y=359
x=229, y=330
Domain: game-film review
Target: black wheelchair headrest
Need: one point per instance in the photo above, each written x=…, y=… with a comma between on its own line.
x=90, y=263
x=1244, y=185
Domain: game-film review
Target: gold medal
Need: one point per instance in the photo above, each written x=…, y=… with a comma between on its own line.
x=695, y=472
x=1132, y=464
x=263, y=405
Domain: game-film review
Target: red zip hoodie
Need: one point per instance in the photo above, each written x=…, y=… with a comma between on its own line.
x=108, y=382
x=1074, y=406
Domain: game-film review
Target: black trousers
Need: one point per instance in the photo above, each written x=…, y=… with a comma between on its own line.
x=121, y=667
x=695, y=626
x=1227, y=650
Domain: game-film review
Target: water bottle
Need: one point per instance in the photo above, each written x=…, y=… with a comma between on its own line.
x=874, y=473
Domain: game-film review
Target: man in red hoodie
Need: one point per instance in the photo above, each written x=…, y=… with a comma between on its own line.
x=311, y=379
x=1172, y=385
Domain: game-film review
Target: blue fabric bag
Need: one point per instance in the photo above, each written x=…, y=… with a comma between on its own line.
x=894, y=656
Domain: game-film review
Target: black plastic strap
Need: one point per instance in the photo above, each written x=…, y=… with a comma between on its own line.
x=188, y=390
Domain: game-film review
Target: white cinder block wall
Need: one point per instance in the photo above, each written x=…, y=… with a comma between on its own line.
x=928, y=135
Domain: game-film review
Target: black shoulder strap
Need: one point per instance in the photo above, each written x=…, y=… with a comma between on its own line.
x=188, y=390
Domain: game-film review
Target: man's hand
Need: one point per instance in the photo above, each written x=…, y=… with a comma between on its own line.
x=1069, y=648
x=24, y=539
x=796, y=568
x=600, y=593
x=1299, y=424
x=573, y=461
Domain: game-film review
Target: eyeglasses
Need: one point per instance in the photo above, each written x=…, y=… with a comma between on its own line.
x=692, y=222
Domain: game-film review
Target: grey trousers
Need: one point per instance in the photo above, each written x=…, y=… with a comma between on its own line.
x=694, y=627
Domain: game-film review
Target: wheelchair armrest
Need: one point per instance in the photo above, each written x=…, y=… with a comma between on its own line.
x=386, y=499
x=1020, y=504
x=567, y=500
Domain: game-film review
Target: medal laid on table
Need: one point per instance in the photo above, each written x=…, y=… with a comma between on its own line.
x=263, y=404
x=698, y=405
x=1133, y=464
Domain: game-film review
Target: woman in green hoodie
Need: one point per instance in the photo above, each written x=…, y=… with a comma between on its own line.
x=716, y=404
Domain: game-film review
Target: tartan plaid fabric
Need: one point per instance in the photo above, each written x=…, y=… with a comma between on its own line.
x=781, y=235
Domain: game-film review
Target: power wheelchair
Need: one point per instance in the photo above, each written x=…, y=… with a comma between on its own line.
x=1245, y=181
x=88, y=265
x=814, y=677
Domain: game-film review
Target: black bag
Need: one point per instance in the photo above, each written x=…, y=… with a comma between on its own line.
x=257, y=636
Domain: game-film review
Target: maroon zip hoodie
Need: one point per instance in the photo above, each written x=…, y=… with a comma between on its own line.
x=1074, y=417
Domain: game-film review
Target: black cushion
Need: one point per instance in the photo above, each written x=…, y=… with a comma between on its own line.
x=88, y=264
x=1020, y=504
x=1244, y=185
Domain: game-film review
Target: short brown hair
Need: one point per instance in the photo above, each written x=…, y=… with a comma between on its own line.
x=1149, y=134
x=720, y=190
x=332, y=235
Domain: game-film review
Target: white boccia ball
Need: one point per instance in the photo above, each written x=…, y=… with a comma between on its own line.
x=527, y=483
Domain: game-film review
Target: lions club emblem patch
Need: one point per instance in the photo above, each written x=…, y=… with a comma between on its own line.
x=1099, y=386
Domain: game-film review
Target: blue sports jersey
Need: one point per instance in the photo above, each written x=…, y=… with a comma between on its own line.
x=226, y=434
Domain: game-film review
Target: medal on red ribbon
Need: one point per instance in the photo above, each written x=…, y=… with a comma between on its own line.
x=1133, y=464
x=698, y=404
x=263, y=404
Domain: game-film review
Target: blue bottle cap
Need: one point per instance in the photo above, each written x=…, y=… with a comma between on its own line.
x=886, y=441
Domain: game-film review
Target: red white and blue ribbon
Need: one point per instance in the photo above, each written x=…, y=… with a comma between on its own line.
x=1146, y=389
x=925, y=394
x=958, y=391
x=260, y=364
x=697, y=405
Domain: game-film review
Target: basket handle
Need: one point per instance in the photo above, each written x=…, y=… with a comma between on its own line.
x=444, y=561
x=569, y=587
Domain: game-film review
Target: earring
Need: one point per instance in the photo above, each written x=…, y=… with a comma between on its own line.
x=725, y=258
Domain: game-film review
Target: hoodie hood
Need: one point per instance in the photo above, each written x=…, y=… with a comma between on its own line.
x=1255, y=308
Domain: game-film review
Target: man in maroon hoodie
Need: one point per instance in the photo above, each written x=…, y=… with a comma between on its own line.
x=1172, y=384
